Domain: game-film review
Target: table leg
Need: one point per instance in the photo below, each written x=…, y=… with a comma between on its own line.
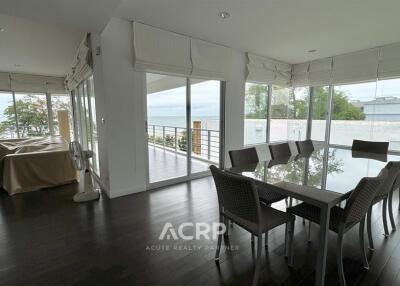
x=323, y=246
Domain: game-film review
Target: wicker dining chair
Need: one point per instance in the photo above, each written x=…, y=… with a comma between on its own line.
x=343, y=219
x=246, y=157
x=305, y=147
x=281, y=150
x=370, y=146
x=238, y=201
x=391, y=171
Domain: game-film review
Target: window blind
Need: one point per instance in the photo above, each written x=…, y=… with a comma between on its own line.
x=161, y=51
x=82, y=65
x=389, y=62
x=355, y=67
x=210, y=60
x=269, y=71
x=31, y=83
x=5, y=82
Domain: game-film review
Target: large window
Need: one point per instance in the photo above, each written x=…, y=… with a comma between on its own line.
x=32, y=115
x=298, y=113
x=62, y=114
x=25, y=115
x=85, y=114
x=280, y=113
x=8, y=126
x=348, y=118
x=319, y=112
x=255, y=124
x=289, y=113
x=385, y=113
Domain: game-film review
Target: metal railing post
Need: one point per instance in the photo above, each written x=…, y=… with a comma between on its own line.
x=208, y=145
x=176, y=139
x=154, y=135
x=163, y=136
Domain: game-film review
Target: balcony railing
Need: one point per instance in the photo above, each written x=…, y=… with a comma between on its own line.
x=205, y=142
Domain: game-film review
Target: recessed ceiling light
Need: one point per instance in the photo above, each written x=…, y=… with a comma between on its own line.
x=312, y=51
x=2, y=29
x=224, y=15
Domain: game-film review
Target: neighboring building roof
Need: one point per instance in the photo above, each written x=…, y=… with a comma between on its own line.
x=382, y=100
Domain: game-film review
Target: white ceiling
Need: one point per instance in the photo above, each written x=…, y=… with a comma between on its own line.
x=281, y=29
x=36, y=48
x=84, y=15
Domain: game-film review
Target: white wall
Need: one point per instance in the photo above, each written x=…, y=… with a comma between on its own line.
x=121, y=105
x=121, y=102
x=234, y=105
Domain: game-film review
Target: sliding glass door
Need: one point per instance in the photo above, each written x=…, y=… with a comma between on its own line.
x=85, y=119
x=182, y=112
x=166, y=126
x=205, y=97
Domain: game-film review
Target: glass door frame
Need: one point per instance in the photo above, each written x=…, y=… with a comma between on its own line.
x=189, y=175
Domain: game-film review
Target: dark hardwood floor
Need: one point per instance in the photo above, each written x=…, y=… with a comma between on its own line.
x=46, y=239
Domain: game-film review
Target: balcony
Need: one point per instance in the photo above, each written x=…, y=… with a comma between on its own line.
x=168, y=157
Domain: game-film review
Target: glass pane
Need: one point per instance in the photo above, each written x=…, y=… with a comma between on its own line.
x=32, y=115
x=385, y=113
x=298, y=113
x=61, y=106
x=77, y=120
x=93, y=124
x=319, y=112
x=86, y=114
x=8, y=127
x=167, y=132
x=255, y=123
x=280, y=113
x=205, y=107
x=348, y=118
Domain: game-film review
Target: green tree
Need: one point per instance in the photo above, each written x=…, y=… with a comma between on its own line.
x=343, y=109
x=256, y=104
x=256, y=101
x=32, y=116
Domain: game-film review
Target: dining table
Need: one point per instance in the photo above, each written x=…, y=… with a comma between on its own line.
x=324, y=178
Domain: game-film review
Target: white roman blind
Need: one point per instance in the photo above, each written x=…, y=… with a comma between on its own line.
x=82, y=65
x=283, y=73
x=36, y=83
x=160, y=51
x=265, y=70
x=389, y=62
x=5, y=82
x=300, y=74
x=320, y=72
x=210, y=60
x=360, y=66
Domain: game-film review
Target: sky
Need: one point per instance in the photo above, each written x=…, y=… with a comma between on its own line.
x=366, y=91
x=205, y=98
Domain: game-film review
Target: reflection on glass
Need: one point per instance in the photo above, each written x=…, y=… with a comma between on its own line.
x=280, y=113
x=319, y=112
x=298, y=113
x=289, y=112
x=32, y=115
x=8, y=127
x=255, y=124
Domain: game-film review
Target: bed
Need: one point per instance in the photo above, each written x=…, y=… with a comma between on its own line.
x=32, y=164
